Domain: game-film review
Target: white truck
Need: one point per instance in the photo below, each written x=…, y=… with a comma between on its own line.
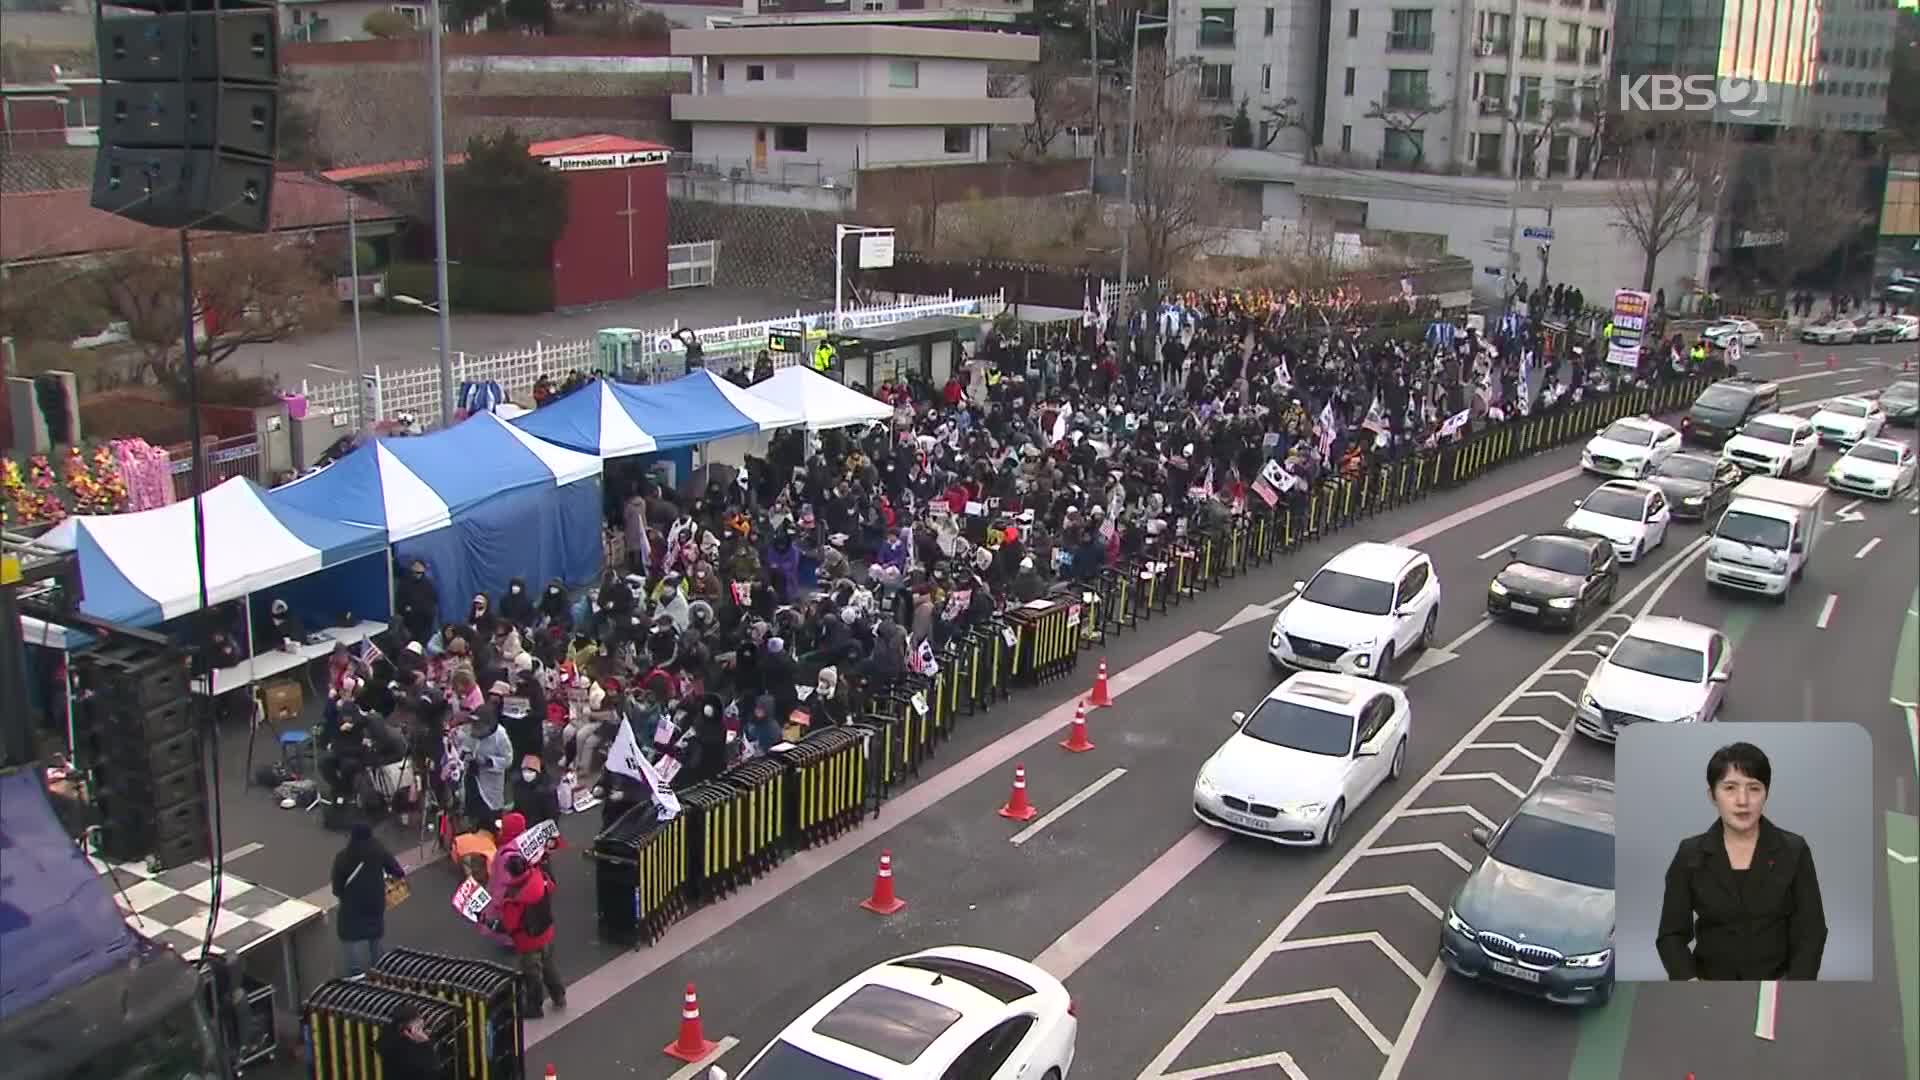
x=1766, y=536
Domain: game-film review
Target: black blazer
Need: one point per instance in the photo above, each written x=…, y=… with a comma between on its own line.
x=1713, y=926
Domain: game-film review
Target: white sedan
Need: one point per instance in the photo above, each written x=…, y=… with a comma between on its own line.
x=1293, y=771
x=1746, y=330
x=1835, y=332
x=1632, y=516
x=1630, y=447
x=1876, y=468
x=945, y=1012
x=1662, y=670
x=1845, y=421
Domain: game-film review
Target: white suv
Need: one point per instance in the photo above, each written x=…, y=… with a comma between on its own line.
x=1776, y=444
x=1369, y=605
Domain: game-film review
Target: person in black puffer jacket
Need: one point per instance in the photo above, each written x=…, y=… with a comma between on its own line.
x=360, y=874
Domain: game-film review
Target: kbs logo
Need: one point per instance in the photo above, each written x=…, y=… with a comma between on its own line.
x=1692, y=93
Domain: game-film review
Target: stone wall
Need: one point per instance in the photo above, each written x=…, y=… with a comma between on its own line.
x=760, y=247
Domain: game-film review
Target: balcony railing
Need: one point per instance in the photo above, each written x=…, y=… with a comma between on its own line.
x=1409, y=41
x=1594, y=57
x=1566, y=54
x=1492, y=106
x=1408, y=99
x=1495, y=46
x=1533, y=52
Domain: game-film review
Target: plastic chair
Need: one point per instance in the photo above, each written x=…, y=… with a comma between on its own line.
x=296, y=753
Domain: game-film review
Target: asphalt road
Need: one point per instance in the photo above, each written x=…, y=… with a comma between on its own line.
x=1193, y=954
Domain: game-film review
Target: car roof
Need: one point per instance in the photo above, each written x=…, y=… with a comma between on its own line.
x=1326, y=691
x=1582, y=540
x=1582, y=801
x=1779, y=419
x=979, y=1012
x=1626, y=487
x=1851, y=399
x=1380, y=562
x=1694, y=455
x=1748, y=383
x=1884, y=444
x=1671, y=631
x=1646, y=423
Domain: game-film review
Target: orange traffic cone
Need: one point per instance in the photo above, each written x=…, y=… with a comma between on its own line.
x=692, y=1045
x=552, y=1073
x=1100, y=699
x=1076, y=741
x=1018, y=808
x=1831, y=361
x=883, y=901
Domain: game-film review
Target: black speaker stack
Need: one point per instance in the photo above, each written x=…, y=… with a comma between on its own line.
x=189, y=115
x=135, y=731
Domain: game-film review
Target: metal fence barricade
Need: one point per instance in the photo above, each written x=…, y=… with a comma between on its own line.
x=640, y=877
x=343, y=1020
x=487, y=995
x=1044, y=640
x=827, y=791
x=1117, y=596
x=1093, y=626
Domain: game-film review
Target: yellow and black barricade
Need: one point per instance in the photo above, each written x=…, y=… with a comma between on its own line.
x=487, y=995
x=1046, y=641
x=344, y=1019
x=1093, y=626
x=830, y=783
x=640, y=875
x=735, y=826
x=999, y=655
x=970, y=652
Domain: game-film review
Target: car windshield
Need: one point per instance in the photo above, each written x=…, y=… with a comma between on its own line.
x=785, y=1061
x=1631, y=434
x=1886, y=455
x=1554, y=849
x=892, y=1023
x=1555, y=555
x=1768, y=433
x=1617, y=504
x=1686, y=468
x=1753, y=529
x=1846, y=408
x=1301, y=727
x=1364, y=595
x=1650, y=657
x=1723, y=399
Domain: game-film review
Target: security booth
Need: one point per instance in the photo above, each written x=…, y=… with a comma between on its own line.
x=927, y=348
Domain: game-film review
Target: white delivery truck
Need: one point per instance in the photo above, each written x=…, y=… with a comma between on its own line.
x=1766, y=536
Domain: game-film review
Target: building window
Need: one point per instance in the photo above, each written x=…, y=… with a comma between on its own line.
x=1496, y=33
x=1533, y=42
x=790, y=138
x=1216, y=82
x=413, y=13
x=903, y=74
x=1406, y=89
x=957, y=140
x=1266, y=77
x=1346, y=138
x=1269, y=22
x=1530, y=97
x=1559, y=155
x=1216, y=28
x=1491, y=88
x=1486, y=152
x=1353, y=23
x=1403, y=147
x=719, y=71
x=1347, y=90
x=1596, y=47
x=873, y=5
x=783, y=69
x=1568, y=51
x=756, y=73
x=1412, y=30
x=83, y=112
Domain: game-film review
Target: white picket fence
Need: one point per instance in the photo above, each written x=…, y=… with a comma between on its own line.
x=416, y=390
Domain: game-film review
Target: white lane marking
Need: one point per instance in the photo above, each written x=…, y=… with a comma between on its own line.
x=1440, y=849
x=1847, y=382
x=699, y=1068
x=1408, y=891
x=1277, y=939
x=1065, y=808
x=1489, y=777
x=1767, y=1014
x=1908, y=859
x=1423, y=1002
x=1364, y=937
x=1567, y=701
x=1438, y=655
x=1826, y=612
x=1513, y=746
x=1462, y=809
x=1500, y=549
x=1282, y=1061
x=1255, y=612
x=1541, y=720
x=1866, y=548
x=1330, y=993
x=1571, y=671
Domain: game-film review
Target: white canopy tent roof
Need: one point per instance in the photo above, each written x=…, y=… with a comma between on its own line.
x=822, y=403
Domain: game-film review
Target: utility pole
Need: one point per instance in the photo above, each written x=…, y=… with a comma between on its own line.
x=444, y=302
x=359, y=351
x=1093, y=73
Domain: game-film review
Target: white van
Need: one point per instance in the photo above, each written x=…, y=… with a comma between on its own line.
x=1765, y=538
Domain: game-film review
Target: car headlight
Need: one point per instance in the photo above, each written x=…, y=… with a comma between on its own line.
x=1636, y=464
x=1590, y=960
x=1203, y=786
x=1692, y=500
x=1562, y=602
x=1496, y=588
x=1364, y=660
x=1302, y=809
x=1458, y=925
x=1587, y=701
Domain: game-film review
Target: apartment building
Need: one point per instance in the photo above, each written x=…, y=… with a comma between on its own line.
x=1262, y=55
x=814, y=103
x=1853, y=63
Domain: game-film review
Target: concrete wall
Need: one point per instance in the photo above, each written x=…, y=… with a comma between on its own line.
x=843, y=76
x=832, y=153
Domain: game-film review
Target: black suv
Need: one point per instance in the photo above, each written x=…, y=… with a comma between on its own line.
x=1721, y=408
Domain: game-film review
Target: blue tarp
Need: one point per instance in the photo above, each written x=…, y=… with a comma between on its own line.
x=59, y=926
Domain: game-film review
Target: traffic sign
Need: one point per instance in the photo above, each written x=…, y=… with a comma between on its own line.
x=1537, y=232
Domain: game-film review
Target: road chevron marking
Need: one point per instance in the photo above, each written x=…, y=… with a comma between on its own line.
x=1595, y=653
x=1409, y=849
x=1551, y=694
x=1277, y=940
x=1541, y=720
x=1409, y=891
x=1491, y=777
x=1325, y=993
x=1437, y=811
x=1364, y=937
x=1568, y=671
x=1513, y=746
x=1282, y=1061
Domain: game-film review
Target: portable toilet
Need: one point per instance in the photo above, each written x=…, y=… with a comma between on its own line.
x=617, y=350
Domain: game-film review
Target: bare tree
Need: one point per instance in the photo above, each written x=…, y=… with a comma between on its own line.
x=1809, y=191
x=1671, y=181
x=251, y=291
x=1058, y=101
x=1280, y=116
x=1176, y=185
x=1548, y=119
x=1406, y=116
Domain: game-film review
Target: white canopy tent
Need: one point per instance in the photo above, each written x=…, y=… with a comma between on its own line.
x=822, y=403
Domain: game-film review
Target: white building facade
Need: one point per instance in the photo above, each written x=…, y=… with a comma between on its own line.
x=810, y=103
x=1259, y=54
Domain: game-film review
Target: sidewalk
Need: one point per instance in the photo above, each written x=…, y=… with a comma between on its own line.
x=411, y=339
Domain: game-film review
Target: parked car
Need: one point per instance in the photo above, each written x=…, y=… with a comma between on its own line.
x=1728, y=328
x=1833, y=332
x=1905, y=328
x=1874, y=328
x=1876, y=468
x=1696, y=486
x=1536, y=916
x=1555, y=578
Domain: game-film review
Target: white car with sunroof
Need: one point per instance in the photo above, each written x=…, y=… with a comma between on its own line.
x=1368, y=606
x=1662, y=671
x=1876, y=468
x=1630, y=447
x=1845, y=421
x=953, y=1011
x=1633, y=517
x=1307, y=756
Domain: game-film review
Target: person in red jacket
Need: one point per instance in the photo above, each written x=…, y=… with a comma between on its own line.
x=526, y=914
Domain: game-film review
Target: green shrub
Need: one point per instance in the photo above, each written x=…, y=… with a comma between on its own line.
x=493, y=289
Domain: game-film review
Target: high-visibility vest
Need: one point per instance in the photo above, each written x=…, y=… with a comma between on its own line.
x=823, y=357
x=993, y=377
x=1698, y=354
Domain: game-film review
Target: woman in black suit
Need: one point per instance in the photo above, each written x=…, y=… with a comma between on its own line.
x=1742, y=900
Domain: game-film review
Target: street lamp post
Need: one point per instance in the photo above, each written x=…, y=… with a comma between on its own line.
x=1140, y=23
x=437, y=107
x=1093, y=83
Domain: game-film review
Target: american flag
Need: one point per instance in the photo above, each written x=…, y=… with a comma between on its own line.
x=367, y=653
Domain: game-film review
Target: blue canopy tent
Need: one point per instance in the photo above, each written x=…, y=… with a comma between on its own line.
x=481, y=503
x=613, y=420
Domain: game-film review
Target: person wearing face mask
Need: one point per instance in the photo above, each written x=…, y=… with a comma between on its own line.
x=487, y=752
x=515, y=605
x=534, y=793
x=406, y=1050
x=417, y=603
x=280, y=629
x=554, y=609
